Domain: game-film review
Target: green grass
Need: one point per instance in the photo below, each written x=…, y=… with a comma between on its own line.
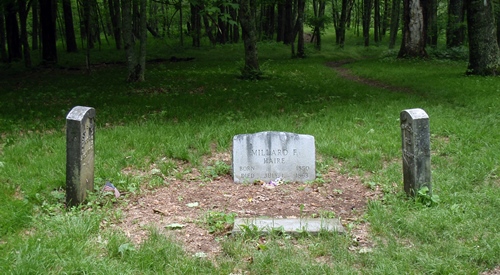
x=186, y=109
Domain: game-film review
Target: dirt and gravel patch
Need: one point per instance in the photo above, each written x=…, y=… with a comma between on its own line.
x=187, y=202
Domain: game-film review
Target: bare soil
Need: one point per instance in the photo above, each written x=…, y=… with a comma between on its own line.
x=338, y=194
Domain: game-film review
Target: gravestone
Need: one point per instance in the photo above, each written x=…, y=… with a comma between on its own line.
x=80, y=130
x=415, y=135
x=270, y=155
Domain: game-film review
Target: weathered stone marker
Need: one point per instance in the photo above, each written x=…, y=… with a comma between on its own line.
x=80, y=130
x=416, y=150
x=270, y=155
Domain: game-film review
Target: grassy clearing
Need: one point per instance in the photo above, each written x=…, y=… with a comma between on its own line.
x=187, y=109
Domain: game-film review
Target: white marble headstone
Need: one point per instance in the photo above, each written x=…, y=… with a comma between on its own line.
x=270, y=155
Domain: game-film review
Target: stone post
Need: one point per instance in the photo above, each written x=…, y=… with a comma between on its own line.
x=415, y=135
x=80, y=130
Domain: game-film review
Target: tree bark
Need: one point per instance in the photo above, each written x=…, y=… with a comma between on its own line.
x=251, y=68
x=48, y=24
x=431, y=22
x=395, y=15
x=69, y=28
x=136, y=65
x=34, y=27
x=376, y=21
x=3, y=51
x=455, y=30
x=12, y=31
x=115, y=14
x=195, y=24
x=128, y=38
x=288, y=32
x=484, y=55
x=280, y=37
x=23, y=16
x=414, y=35
x=299, y=29
x=367, y=11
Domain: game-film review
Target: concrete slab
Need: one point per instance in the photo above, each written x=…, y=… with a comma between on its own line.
x=289, y=226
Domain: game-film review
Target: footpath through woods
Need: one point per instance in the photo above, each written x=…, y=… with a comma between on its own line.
x=345, y=73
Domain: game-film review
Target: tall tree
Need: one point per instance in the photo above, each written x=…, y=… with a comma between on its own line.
x=3, y=51
x=340, y=20
x=195, y=23
x=367, y=14
x=455, y=28
x=136, y=64
x=298, y=30
x=484, y=55
x=23, y=16
x=115, y=14
x=48, y=24
x=251, y=68
x=319, y=7
x=431, y=22
x=69, y=28
x=377, y=27
x=12, y=27
x=413, y=44
x=34, y=22
x=395, y=15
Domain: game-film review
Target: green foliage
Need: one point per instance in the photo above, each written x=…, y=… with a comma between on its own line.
x=426, y=198
x=186, y=109
x=219, y=222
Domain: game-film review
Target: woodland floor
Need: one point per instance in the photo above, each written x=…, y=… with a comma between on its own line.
x=338, y=194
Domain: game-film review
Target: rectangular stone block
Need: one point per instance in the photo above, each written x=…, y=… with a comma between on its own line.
x=270, y=155
x=415, y=135
x=288, y=226
x=80, y=130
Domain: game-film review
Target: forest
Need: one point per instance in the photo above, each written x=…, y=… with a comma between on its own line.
x=173, y=82
x=45, y=24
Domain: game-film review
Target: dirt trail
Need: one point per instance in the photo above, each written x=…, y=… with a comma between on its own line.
x=347, y=74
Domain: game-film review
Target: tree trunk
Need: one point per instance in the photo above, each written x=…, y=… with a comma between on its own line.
x=269, y=24
x=195, y=25
x=13, y=39
x=346, y=10
x=281, y=23
x=23, y=16
x=455, y=30
x=128, y=38
x=69, y=28
x=115, y=14
x=484, y=55
x=431, y=22
x=136, y=65
x=376, y=21
x=288, y=32
x=413, y=44
x=181, y=20
x=3, y=51
x=34, y=27
x=395, y=15
x=299, y=29
x=48, y=23
x=143, y=43
x=385, y=17
x=367, y=11
x=251, y=68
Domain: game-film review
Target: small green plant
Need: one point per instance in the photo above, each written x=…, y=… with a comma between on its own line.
x=219, y=222
x=249, y=231
x=426, y=198
x=216, y=170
